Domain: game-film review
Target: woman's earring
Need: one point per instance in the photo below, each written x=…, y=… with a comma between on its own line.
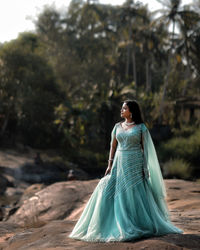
x=131, y=116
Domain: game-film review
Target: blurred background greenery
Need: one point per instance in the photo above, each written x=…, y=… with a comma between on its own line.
x=62, y=86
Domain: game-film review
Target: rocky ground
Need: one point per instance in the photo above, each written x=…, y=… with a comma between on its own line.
x=45, y=215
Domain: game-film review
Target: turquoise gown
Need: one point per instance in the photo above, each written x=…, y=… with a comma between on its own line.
x=130, y=202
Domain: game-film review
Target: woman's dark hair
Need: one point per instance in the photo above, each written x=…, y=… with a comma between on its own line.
x=134, y=108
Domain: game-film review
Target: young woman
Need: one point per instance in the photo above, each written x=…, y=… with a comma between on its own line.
x=129, y=201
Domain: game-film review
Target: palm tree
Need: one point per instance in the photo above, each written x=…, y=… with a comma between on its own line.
x=188, y=27
x=171, y=16
x=130, y=14
x=151, y=38
x=127, y=16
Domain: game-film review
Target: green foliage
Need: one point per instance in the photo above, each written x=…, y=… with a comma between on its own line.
x=64, y=86
x=177, y=168
x=185, y=148
x=28, y=90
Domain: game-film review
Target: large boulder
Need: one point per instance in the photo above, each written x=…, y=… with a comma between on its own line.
x=56, y=201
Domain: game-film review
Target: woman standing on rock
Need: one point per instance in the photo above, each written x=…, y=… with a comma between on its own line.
x=129, y=201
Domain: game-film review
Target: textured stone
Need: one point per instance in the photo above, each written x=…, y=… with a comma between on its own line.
x=56, y=201
x=48, y=233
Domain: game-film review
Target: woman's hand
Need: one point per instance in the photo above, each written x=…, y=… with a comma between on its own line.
x=108, y=170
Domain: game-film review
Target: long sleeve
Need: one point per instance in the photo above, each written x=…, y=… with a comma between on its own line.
x=152, y=168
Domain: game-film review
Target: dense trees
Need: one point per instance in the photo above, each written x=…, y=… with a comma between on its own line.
x=184, y=19
x=63, y=86
x=29, y=92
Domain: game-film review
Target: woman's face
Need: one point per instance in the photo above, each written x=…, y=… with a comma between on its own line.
x=125, y=113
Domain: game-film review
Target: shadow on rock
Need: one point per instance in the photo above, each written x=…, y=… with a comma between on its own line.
x=190, y=241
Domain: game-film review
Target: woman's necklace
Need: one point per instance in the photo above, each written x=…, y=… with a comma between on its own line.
x=129, y=123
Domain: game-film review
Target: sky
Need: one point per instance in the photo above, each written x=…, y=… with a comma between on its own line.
x=17, y=15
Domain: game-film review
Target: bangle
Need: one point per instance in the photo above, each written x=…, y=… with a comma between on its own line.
x=110, y=160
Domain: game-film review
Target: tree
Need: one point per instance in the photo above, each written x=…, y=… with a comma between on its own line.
x=28, y=91
x=173, y=15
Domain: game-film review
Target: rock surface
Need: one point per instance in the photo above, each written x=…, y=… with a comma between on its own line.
x=56, y=218
x=31, y=168
x=53, y=202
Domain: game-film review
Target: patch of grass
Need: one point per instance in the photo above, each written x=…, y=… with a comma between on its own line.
x=177, y=168
x=186, y=148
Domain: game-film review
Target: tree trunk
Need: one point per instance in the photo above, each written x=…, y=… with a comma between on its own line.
x=5, y=123
x=134, y=68
x=166, y=81
x=148, y=76
x=187, y=76
x=188, y=71
x=128, y=52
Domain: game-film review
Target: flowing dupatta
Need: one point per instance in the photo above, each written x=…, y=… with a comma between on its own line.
x=153, y=173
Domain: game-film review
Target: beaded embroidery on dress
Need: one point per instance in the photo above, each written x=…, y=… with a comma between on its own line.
x=129, y=202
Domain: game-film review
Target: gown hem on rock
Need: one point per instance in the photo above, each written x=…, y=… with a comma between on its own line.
x=129, y=203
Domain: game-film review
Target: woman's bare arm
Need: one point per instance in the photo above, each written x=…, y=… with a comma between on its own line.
x=111, y=155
